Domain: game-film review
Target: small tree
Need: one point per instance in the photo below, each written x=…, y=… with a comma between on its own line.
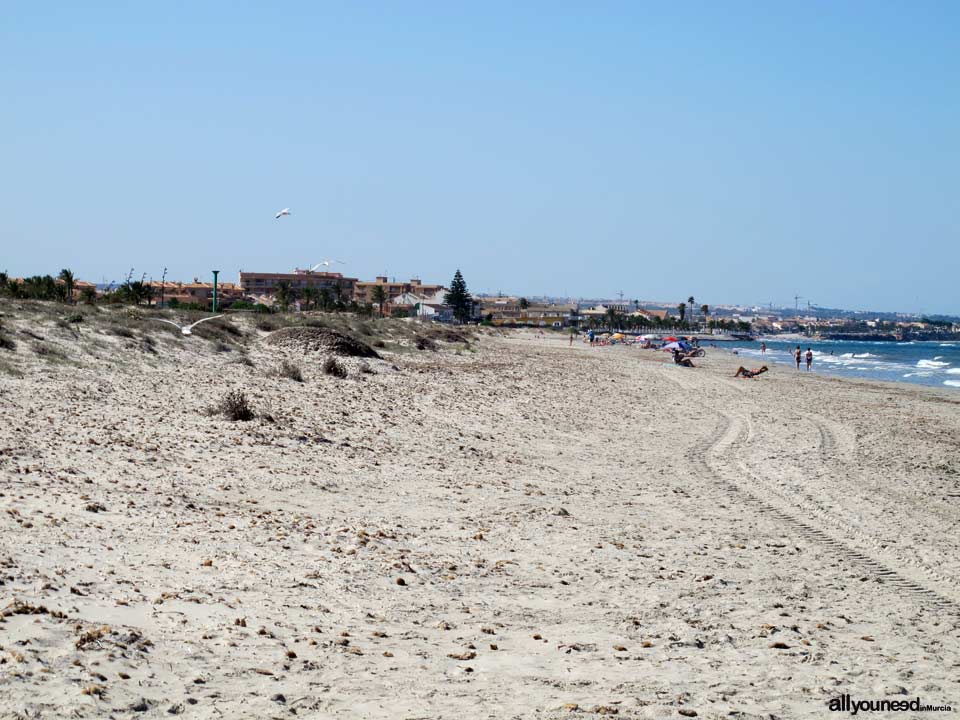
x=682, y=309
x=524, y=303
x=66, y=277
x=309, y=297
x=326, y=299
x=379, y=297
x=458, y=298
x=284, y=294
x=705, y=309
x=88, y=295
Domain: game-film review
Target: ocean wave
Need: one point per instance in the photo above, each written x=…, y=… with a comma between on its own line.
x=952, y=383
x=948, y=344
x=935, y=364
x=953, y=371
x=859, y=355
x=918, y=374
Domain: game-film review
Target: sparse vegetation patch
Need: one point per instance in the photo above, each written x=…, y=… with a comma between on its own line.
x=333, y=367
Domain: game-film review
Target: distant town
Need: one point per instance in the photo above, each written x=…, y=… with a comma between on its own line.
x=311, y=290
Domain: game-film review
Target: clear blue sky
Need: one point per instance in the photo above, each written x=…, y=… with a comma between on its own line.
x=739, y=152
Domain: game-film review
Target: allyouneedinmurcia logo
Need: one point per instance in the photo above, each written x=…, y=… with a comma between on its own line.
x=847, y=704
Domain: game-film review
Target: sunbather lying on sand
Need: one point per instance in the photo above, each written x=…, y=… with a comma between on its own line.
x=743, y=372
x=680, y=359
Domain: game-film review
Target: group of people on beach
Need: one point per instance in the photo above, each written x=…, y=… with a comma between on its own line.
x=798, y=355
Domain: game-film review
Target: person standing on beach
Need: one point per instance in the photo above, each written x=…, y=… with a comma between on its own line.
x=796, y=356
x=809, y=358
x=763, y=348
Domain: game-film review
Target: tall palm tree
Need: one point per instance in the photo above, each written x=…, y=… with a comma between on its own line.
x=309, y=295
x=693, y=307
x=682, y=309
x=66, y=277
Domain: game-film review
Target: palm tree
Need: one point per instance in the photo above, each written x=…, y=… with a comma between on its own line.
x=309, y=295
x=88, y=295
x=379, y=297
x=693, y=306
x=326, y=299
x=611, y=318
x=682, y=309
x=705, y=309
x=66, y=277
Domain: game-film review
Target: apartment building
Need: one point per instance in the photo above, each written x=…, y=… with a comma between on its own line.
x=363, y=292
x=259, y=284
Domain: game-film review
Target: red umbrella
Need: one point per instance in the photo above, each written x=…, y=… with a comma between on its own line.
x=670, y=339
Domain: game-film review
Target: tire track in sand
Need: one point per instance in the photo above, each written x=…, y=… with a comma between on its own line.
x=722, y=443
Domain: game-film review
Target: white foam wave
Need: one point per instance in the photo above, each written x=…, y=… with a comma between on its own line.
x=953, y=371
x=859, y=355
x=935, y=364
x=952, y=383
x=948, y=344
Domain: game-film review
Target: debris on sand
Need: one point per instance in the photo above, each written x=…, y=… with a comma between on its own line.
x=315, y=339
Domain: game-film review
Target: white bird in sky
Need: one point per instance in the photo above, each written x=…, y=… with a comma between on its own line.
x=285, y=211
x=187, y=329
x=326, y=264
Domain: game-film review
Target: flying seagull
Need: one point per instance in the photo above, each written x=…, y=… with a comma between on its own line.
x=186, y=329
x=326, y=264
x=285, y=211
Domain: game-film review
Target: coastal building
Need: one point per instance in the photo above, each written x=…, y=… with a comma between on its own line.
x=514, y=311
x=264, y=285
x=364, y=290
x=199, y=293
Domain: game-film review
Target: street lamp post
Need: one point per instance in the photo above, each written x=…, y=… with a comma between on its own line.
x=215, y=273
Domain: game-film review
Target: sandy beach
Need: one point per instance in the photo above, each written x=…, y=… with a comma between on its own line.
x=504, y=527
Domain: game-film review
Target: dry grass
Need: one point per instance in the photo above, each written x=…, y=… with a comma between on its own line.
x=234, y=406
x=334, y=368
x=291, y=371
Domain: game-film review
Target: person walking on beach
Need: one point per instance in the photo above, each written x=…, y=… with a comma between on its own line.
x=796, y=356
x=763, y=348
x=809, y=358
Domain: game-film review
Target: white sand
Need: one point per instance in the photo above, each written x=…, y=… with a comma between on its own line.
x=579, y=531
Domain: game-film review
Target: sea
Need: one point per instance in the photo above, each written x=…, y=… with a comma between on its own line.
x=922, y=363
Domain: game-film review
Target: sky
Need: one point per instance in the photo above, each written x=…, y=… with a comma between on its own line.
x=738, y=152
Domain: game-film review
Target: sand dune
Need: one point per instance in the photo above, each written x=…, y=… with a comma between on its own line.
x=514, y=528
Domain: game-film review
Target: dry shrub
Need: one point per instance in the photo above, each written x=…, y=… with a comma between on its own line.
x=331, y=366
x=234, y=406
x=121, y=331
x=48, y=351
x=366, y=369
x=291, y=371
x=424, y=343
x=7, y=343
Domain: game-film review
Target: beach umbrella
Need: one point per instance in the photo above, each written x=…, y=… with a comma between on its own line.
x=670, y=339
